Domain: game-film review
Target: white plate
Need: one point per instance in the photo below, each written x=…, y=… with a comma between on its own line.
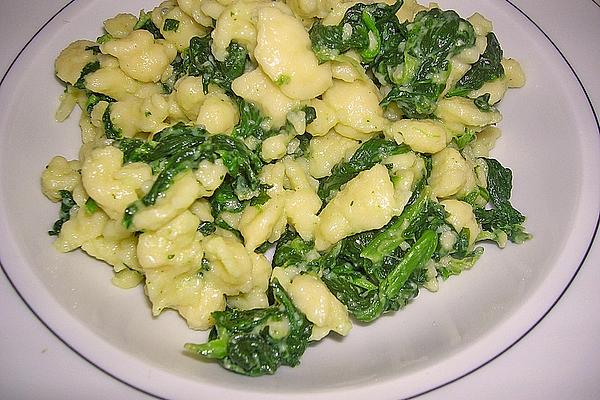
x=438, y=338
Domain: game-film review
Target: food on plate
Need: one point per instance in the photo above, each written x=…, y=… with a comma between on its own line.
x=274, y=170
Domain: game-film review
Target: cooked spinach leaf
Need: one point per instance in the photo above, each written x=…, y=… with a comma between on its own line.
x=362, y=29
x=171, y=25
x=95, y=98
x=207, y=228
x=66, y=206
x=502, y=217
x=181, y=148
x=366, y=156
x=198, y=60
x=241, y=340
x=432, y=38
x=486, y=69
x=370, y=293
x=391, y=237
x=91, y=206
x=291, y=249
x=88, y=69
x=145, y=22
x=454, y=266
x=483, y=103
x=110, y=130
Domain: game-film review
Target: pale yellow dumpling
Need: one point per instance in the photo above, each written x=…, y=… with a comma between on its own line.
x=72, y=59
x=366, y=202
x=283, y=51
x=111, y=184
x=357, y=108
x=185, y=29
x=327, y=151
x=460, y=215
x=60, y=174
x=80, y=228
x=257, y=87
x=425, y=136
x=450, y=174
x=180, y=196
x=140, y=56
x=320, y=306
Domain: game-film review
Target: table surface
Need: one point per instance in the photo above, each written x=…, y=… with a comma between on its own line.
x=559, y=359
